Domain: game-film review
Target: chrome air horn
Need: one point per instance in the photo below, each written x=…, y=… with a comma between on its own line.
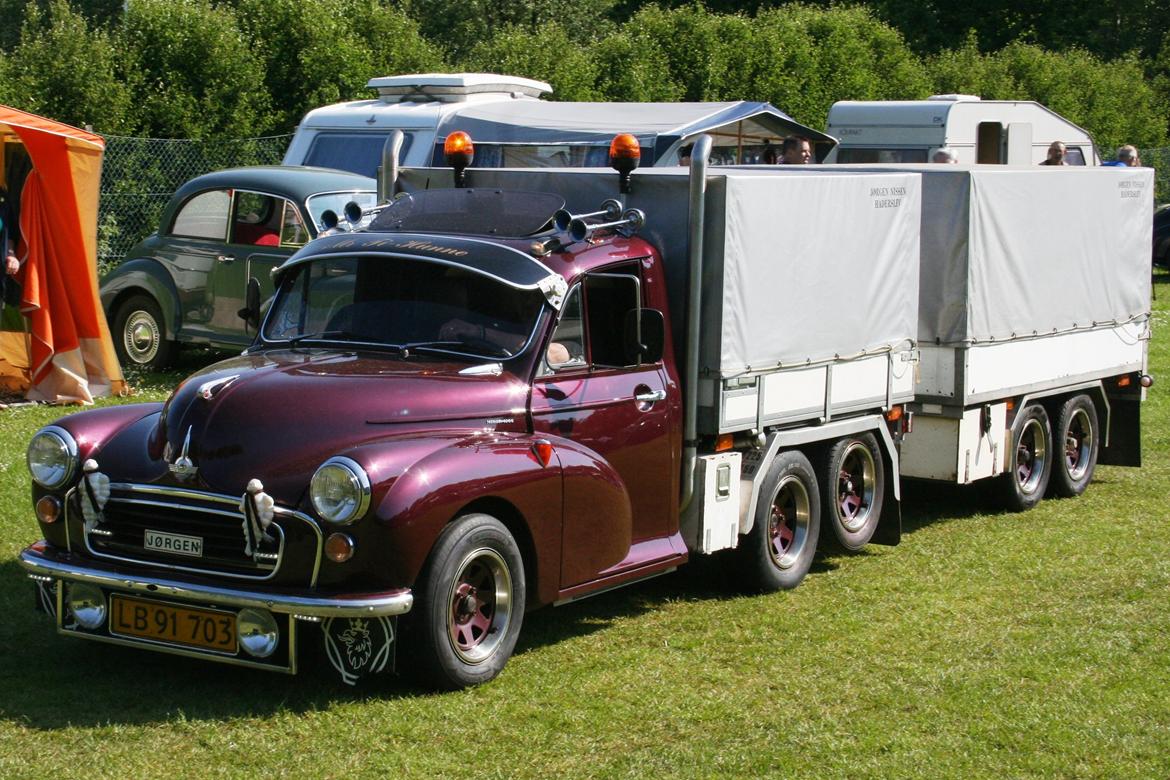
x=610, y=209
x=631, y=222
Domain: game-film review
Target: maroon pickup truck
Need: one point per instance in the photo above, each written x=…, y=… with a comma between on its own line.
x=448, y=419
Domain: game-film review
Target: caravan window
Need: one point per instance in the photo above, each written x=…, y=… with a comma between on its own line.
x=354, y=152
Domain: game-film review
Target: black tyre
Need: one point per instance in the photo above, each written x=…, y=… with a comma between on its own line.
x=1030, y=460
x=853, y=486
x=1077, y=442
x=140, y=335
x=779, y=551
x=469, y=605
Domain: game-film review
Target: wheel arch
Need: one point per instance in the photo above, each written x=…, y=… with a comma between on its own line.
x=513, y=519
x=142, y=276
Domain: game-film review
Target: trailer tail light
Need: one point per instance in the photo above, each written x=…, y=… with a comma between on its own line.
x=624, y=154
x=725, y=442
x=1125, y=381
x=894, y=414
x=459, y=151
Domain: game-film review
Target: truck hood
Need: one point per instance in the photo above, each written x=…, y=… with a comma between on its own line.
x=276, y=416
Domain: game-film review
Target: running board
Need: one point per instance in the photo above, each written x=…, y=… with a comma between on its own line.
x=613, y=586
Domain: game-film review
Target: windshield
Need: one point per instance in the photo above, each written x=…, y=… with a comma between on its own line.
x=404, y=304
x=335, y=202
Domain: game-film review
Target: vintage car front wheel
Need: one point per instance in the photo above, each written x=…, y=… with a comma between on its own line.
x=469, y=605
x=140, y=335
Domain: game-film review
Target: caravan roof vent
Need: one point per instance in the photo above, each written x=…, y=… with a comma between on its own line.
x=454, y=87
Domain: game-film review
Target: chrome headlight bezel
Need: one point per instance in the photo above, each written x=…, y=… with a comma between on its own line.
x=61, y=442
x=350, y=485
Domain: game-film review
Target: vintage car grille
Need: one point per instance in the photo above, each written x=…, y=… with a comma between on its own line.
x=214, y=519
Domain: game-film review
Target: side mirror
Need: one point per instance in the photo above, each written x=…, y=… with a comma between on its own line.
x=643, y=336
x=250, y=314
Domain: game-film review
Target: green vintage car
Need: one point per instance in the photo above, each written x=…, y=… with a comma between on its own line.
x=187, y=282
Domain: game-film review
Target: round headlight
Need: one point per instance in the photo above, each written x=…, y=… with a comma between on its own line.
x=52, y=457
x=340, y=490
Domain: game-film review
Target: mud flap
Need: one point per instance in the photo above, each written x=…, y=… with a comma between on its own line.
x=45, y=598
x=358, y=647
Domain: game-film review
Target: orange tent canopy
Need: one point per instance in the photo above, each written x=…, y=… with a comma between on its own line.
x=67, y=355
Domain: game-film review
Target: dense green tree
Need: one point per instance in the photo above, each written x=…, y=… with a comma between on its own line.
x=461, y=25
x=62, y=69
x=549, y=54
x=192, y=71
x=316, y=52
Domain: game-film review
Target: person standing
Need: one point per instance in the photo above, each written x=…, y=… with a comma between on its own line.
x=795, y=150
x=1055, y=154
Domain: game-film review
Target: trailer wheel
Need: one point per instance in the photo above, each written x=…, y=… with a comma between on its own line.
x=853, y=483
x=1078, y=442
x=468, y=610
x=1030, y=464
x=778, y=552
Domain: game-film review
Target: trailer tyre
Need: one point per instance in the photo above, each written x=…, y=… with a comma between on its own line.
x=1030, y=460
x=853, y=485
x=470, y=604
x=779, y=551
x=1078, y=443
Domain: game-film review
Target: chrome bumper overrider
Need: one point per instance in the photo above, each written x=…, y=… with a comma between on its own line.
x=41, y=563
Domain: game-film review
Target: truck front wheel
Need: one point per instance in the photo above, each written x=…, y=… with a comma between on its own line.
x=779, y=551
x=1030, y=462
x=470, y=605
x=1077, y=439
x=854, y=485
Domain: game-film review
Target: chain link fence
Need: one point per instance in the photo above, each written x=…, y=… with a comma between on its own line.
x=1159, y=160
x=139, y=175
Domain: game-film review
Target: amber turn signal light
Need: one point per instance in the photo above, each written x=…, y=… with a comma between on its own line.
x=48, y=509
x=339, y=547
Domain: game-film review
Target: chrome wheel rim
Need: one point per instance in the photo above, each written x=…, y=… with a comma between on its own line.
x=856, y=482
x=479, y=605
x=141, y=337
x=1078, y=444
x=788, y=522
x=1031, y=456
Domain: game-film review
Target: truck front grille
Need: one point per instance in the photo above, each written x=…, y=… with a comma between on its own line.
x=134, y=511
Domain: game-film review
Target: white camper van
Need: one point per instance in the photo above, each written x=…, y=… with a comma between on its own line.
x=513, y=128
x=1016, y=132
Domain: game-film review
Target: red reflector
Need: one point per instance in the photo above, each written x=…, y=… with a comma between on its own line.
x=543, y=450
x=1124, y=381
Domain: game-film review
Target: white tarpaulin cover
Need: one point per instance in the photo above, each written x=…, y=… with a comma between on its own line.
x=800, y=265
x=1022, y=252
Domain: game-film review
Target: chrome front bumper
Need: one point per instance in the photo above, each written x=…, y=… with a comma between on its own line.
x=41, y=563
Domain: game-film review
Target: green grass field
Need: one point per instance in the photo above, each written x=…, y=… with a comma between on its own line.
x=985, y=645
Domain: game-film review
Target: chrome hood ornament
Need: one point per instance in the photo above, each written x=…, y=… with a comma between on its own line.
x=184, y=467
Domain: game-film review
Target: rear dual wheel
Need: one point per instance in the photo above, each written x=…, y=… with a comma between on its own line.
x=853, y=482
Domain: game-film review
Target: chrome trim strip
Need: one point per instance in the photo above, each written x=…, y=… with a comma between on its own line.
x=386, y=604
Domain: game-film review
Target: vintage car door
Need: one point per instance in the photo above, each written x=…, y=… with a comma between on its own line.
x=586, y=392
x=264, y=231
x=193, y=242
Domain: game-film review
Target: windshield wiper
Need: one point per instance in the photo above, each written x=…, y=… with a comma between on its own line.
x=453, y=345
x=294, y=341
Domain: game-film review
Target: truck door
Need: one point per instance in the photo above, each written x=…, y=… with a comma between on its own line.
x=588, y=391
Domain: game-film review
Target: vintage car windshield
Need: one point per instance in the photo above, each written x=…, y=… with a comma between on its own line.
x=335, y=202
x=402, y=303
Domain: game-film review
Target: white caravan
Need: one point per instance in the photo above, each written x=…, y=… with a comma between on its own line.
x=513, y=127
x=1016, y=132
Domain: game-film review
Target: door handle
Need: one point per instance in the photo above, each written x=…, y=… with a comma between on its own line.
x=225, y=259
x=652, y=396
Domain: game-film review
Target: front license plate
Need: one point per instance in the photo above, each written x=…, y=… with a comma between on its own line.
x=208, y=629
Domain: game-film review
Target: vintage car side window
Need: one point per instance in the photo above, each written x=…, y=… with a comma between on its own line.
x=567, y=347
x=204, y=216
x=256, y=219
x=293, y=232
